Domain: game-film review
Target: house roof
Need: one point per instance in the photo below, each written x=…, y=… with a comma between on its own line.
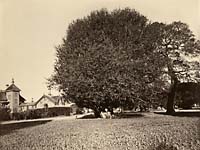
x=48, y=97
x=54, y=99
x=13, y=88
x=21, y=99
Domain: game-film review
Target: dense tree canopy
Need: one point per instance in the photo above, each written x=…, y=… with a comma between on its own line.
x=119, y=58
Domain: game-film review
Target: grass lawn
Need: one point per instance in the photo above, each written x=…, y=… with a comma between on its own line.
x=141, y=132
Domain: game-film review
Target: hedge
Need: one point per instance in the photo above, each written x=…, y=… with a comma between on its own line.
x=4, y=114
x=42, y=113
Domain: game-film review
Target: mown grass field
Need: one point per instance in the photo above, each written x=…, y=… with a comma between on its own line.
x=151, y=131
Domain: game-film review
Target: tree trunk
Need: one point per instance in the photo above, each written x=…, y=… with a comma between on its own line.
x=111, y=111
x=170, y=103
x=171, y=96
x=97, y=113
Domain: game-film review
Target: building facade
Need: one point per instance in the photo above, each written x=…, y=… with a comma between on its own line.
x=11, y=98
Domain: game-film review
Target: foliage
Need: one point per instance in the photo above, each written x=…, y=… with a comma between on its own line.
x=175, y=42
x=4, y=114
x=42, y=113
x=119, y=58
x=107, y=61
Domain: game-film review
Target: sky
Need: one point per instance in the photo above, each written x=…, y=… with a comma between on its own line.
x=30, y=30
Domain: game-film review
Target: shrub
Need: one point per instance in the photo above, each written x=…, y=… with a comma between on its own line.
x=4, y=114
x=42, y=113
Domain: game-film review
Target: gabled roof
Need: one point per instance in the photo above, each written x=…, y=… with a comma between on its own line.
x=54, y=99
x=21, y=99
x=45, y=96
x=61, y=99
x=13, y=88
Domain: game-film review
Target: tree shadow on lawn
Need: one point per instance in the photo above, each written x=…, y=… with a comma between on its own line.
x=181, y=114
x=129, y=115
x=116, y=116
x=9, y=128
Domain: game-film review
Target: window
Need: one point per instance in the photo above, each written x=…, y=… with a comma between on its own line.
x=15, y=94
x=16, y=102
x=45, y=105
x=9, y=97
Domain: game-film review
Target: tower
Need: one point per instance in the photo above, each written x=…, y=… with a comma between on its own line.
x=13, y=96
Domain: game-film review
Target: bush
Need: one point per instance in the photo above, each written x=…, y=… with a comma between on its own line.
x=4, y=114
x=42, y=113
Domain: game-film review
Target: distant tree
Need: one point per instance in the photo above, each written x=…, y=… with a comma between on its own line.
x=175, y=42
x=105, y=61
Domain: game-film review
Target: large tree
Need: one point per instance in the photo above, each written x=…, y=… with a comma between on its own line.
x=106, y=61
x=176, y=42
x=119, y=58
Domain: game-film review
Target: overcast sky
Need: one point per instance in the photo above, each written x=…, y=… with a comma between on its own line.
x=30, y=29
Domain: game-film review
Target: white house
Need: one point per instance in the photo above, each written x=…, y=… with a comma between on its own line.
x=48, y=101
